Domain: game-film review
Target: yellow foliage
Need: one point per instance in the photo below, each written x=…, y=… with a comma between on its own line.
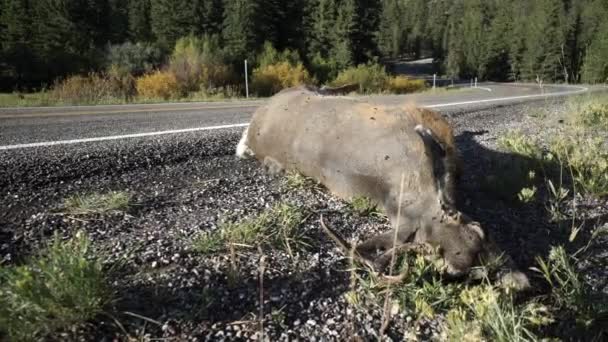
x=160, y=84
x=91, y=89
x=403, y=85
x=273, y=78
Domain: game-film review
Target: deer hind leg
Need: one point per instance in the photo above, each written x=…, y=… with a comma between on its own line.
x=272, y=166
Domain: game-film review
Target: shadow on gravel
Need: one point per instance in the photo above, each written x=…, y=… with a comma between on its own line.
x=212, y=299
x=489, y=188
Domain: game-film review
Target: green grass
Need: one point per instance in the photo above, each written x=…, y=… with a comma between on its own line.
x=363, y=206
x=589, y=111
x=578, y=156
x=96, y=203
x=64, y=285
x=474, y=311
x=279, y=227
x=44, y=99
x=579, y=308
x=296, y=181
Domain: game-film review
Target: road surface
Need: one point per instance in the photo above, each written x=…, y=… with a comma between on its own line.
x=35, y=127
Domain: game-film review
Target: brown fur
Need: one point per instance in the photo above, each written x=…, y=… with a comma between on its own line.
x=356, y=149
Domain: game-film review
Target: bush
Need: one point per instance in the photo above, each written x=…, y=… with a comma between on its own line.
x=91, y=89
x=159, y=85
x=323, y=69
x=271, y=56
x=197, y=64
x=62, y=287
x=404, y=85
x=273, y=78
x=134, y=59
x=586, y=159
x=595, y=115
x=371, y=78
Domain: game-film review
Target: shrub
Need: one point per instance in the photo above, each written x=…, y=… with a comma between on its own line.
x=197, y=64
x=594, y=115
x=61, y=287
x=587, y=160
x=273, y=78
x=404, y=85
x=270, y=56
x=134, y=59
x=580, y=306
x=91, y=89
x=323, y=69
x=371, y=78
x=159, y=85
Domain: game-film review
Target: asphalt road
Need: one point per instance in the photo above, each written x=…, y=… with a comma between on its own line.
x=32, y=127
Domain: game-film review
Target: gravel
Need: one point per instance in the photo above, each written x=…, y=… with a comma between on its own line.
x=186, y=184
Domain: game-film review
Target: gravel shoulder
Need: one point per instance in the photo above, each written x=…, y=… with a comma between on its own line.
x=186, y=184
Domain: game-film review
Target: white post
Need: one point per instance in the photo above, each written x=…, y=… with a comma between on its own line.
x=434, y=80
x=246, y=80
x=475, y=82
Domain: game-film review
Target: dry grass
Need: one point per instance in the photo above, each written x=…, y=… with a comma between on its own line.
x=63, y=286
x=279, y=227
x=96, y=203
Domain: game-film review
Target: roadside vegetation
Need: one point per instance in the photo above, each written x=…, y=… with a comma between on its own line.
x=97, y=203
x=554, y=172
x=63, y=286
x=96, y=52
x=279, y=227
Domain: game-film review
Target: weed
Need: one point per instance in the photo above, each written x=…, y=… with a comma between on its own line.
x=279, y=226
x=61, y=287
x=485, y=311
x=591, y=112
x=571, y=296
x=97, y=203
x=557, y=196
x=526, y=195
x=587, y=160
x=521, y=144
x=363, y=206
x=296, y=181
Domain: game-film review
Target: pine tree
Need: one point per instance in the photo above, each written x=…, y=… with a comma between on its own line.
x=239, y=31
x=346, y=21
x=391, y=32
x=544, y=39
x=173, y=19
x=497, y=48
x=16, y=35
x=140, y=29
x=118, y=21
x=211, y=14
x=595, y=68
x=323, y=15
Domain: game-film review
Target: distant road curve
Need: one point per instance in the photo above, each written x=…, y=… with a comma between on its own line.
x=50, y=126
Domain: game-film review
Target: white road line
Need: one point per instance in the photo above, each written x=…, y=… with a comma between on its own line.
x=117, y=137
x=149, y=134
x=522, y=97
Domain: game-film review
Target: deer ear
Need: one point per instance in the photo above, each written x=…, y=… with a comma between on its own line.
x=476, y=228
